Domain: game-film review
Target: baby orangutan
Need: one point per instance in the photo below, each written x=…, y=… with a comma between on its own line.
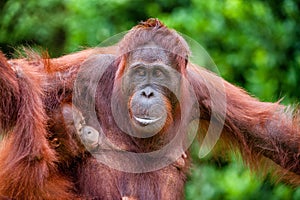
x=89, y=136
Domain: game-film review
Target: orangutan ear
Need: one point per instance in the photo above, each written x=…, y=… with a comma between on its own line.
x=121, y=62
x=181, y=64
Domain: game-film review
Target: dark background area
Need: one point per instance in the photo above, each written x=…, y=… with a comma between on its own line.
x=255, y=44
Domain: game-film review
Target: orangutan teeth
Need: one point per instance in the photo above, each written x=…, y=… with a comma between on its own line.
x=146, y=121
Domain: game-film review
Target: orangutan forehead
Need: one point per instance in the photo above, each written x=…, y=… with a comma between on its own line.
x=150, y=55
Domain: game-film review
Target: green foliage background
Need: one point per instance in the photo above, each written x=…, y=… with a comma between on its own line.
x=255, y=44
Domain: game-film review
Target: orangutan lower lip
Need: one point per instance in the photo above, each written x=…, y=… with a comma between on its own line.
x=146, y=120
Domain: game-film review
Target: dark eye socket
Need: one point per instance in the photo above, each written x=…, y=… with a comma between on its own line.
x=157, y=73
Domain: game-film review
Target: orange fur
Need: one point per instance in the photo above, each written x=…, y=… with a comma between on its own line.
x=34, y=90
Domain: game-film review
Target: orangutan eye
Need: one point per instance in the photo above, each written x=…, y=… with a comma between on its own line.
x=157, y=73
x=141, y=72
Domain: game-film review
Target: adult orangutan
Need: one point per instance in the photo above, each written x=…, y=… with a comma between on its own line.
x=114, y=123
